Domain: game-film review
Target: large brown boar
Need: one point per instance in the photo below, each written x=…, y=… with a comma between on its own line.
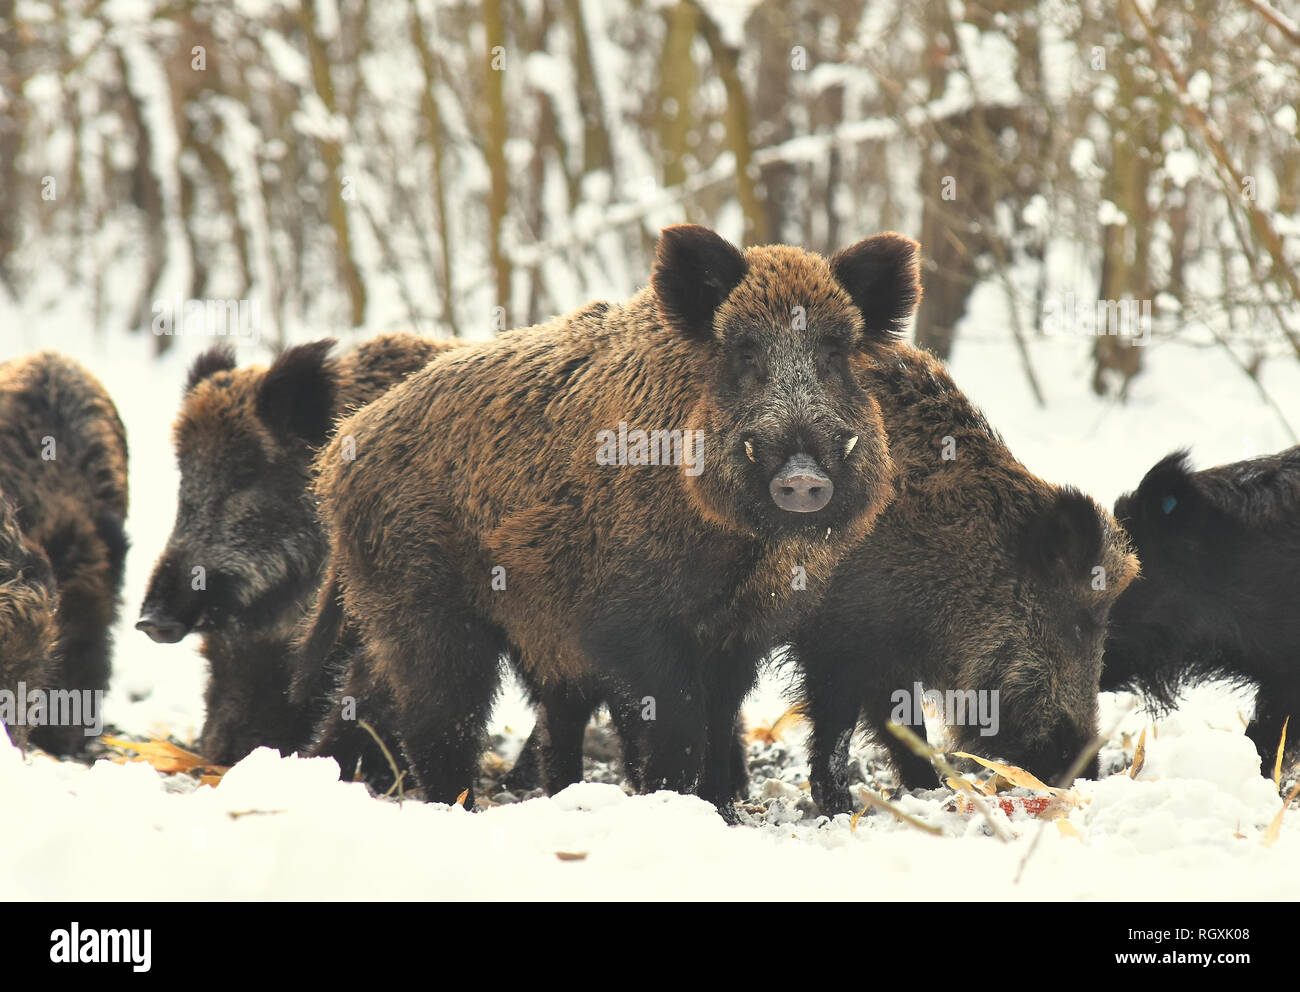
x=63, y=471
x=632, y=502
x=243, y=561
x=1219, y=592
x=980, y=582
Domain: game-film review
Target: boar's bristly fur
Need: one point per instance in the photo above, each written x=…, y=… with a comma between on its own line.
x=63, y=473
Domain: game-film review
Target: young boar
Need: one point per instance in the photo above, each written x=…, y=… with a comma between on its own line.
x=980, y=581
x=243, y=561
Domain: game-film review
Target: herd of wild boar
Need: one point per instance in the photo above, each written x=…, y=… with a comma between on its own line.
x=362, y=539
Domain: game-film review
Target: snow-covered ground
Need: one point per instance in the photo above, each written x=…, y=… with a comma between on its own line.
x=1191, y=825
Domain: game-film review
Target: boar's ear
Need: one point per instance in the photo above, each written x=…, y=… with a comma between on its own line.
x=1167, y=497
x=695, y=270
x=882, y=274
x=1064, y=540
x=296, y=397
x=212, y=361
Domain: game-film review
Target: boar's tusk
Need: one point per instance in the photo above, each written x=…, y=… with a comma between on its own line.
x=849, y=447
x=749, y=450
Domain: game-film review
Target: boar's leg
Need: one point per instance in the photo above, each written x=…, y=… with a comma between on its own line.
x=444, y=671
x=552, y=755
x=654, y=679
x=527, y=771
x=730, y=679
x=739, y=762
x=914, y=772
x=339, y=734
x=626, y=717
x=834, y=717
x=562, y=718
x=833, y=683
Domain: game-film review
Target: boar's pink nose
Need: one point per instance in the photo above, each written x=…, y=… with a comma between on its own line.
x=801, y=486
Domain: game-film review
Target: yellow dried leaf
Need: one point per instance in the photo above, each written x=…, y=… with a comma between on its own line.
x=783, y=724
x=1277, y=766
x=165, y=757
x=1016, y=776
x=1068, y=829
x=1139, y=756
x=853, y=820
x=571, y=856
x=1275, y=828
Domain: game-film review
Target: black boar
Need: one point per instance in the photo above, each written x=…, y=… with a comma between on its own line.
x=1219, y=594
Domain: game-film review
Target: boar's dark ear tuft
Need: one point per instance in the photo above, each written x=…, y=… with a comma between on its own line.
x=212, y=361
x=296, y=397
x=1167, y=497
x=1065, y=539
x=695, y=270
x=882, y=274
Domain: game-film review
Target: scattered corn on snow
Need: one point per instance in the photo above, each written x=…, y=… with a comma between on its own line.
x=1191, y=825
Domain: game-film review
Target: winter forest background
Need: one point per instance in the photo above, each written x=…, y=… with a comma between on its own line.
x=462, y=167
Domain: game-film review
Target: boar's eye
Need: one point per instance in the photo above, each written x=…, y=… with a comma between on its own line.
x=830, y=356
x=747, y=361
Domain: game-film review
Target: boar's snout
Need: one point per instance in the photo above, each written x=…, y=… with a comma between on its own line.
x=1053, y=760
x=171, y=608
x=800, y=486
x=160, y=627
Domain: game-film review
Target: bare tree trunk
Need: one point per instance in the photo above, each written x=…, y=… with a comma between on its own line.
x=332, y=157
x=495, y=148
x=677, y=87
x=739, y=135
x=13, y=126
x=433, y=123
